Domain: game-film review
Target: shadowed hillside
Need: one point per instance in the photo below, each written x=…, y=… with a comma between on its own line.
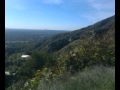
x=59, y=41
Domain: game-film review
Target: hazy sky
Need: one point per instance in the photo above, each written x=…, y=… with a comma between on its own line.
x=56, y=14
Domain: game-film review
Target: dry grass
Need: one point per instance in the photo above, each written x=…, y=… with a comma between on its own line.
x=95, y=78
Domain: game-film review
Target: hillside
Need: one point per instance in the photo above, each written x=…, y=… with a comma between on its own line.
x=94, y=46
x=59, y=41
x=72, y=54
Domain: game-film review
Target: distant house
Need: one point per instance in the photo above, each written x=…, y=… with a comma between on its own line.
x=25, y=56
x=7, y=73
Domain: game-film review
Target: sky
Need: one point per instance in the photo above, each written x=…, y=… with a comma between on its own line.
x=56, y=14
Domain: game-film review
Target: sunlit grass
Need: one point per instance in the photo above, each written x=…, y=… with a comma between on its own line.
x=96, y=78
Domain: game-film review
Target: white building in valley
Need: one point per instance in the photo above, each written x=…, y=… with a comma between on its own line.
x=7, y=73
x=25, y=56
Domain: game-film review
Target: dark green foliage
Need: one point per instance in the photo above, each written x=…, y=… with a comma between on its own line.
x=36, y=62
x=57, y=45
x=8, y=80
x=89, y=53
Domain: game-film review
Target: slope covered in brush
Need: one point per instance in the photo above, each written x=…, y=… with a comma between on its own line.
x=73, y=52
x=59, y=41
x=95, y=46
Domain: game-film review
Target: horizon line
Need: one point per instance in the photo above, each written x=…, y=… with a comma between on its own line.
x=37, y=29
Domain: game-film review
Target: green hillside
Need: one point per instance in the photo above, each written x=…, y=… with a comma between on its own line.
x=59, y=41
x=66, y=55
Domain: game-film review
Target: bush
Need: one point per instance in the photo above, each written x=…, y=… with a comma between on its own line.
x=96, y=78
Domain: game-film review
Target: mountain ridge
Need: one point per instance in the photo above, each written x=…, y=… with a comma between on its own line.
x=61, y=40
